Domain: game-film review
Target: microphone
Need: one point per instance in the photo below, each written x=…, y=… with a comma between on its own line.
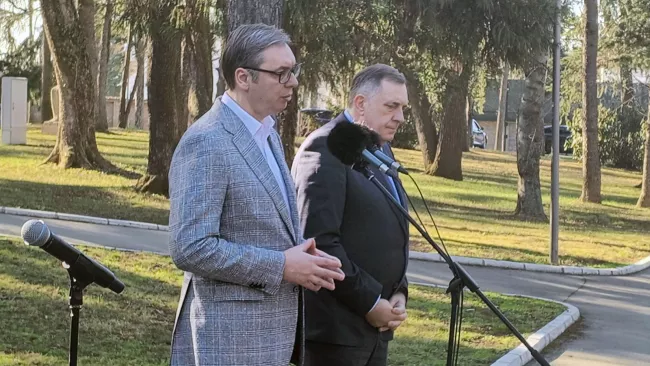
x=390, y=161
x=349, y=142
x=36, y=233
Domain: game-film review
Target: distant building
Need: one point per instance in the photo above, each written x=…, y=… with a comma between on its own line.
x=609, y=97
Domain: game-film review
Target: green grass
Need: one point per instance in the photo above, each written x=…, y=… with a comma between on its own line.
x=25, y=183
x=474, y=216
x=134, y=328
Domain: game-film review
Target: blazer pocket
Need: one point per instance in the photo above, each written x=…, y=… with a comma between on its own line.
x=220, y=291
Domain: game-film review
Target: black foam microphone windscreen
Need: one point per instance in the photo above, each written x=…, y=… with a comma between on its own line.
x=347, y=141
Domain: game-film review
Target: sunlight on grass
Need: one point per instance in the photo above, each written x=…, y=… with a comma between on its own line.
x=474, y=215
x=134, y=328
x=422, y=339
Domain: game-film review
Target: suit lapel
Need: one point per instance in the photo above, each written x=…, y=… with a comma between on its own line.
x=247, y=147
x=276, y=147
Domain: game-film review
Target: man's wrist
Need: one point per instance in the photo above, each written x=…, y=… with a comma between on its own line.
x=376, y=302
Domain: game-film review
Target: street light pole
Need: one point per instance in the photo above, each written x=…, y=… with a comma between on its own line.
x=555, y=166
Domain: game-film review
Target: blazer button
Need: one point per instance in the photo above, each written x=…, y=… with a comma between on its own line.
x=295, y=289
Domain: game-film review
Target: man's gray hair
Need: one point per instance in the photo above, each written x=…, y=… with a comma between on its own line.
x=368, y=80
x=245, y=46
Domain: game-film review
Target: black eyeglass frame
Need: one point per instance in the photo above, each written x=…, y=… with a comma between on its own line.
x=295, y=70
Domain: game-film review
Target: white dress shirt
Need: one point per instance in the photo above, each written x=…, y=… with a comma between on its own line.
x=260, y=131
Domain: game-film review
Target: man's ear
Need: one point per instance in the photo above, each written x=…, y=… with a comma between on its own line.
x=359, y=103
x=242, y=78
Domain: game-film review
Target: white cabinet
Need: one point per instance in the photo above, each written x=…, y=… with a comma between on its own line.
x=14, y=114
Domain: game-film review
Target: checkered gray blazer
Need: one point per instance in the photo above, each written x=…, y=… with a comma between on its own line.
x=228, y=227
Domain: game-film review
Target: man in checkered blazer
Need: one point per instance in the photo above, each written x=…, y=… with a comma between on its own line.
x=234, y=227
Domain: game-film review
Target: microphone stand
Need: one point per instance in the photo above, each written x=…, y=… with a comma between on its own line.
x=461, y=279
x=75, y=299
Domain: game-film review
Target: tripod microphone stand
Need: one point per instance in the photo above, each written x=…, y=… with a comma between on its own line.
x=460, y=280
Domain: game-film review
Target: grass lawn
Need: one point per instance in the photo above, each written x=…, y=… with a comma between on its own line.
x=474, y=216
x=134, y=328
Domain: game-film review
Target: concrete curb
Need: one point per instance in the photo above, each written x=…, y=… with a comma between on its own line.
x=81, y=218
x=430, y=257
x=520, y=356
x=534, y=267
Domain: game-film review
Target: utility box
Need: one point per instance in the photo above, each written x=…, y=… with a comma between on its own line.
x=13, y=118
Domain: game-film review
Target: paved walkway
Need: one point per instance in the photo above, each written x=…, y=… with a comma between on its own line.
x=615, y=325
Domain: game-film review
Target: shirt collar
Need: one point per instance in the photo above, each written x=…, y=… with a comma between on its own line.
x=348, y=115
x=257, y=129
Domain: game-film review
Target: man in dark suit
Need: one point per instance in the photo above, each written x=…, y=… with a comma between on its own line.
x=352, y=219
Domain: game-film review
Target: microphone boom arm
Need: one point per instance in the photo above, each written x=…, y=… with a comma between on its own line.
x=461, y=279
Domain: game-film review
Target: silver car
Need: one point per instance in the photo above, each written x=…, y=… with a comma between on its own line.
x=479, y=136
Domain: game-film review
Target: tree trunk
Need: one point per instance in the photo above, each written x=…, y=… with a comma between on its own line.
x=200, y=43
x=186, y=78
x=288, y=126
x=468, y=124
x=147, y=70
x=46, y=80
x=254, y=11
x=75, y=144
x=644, y=198
x=104, y=54
x=139, y=81
x=289, y=117
x=221, y=86
x=501, y=114
x=530, y=144
x=449, y=156
x=422, y=114
x=87, y=20
x=124, y=121
x=590, y=154
x=222, y=8
x=123, y=117
x=30, y=14
x=164, y=87
x=627, y=84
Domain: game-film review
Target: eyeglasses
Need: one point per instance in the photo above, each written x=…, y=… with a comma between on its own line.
x=283, y=76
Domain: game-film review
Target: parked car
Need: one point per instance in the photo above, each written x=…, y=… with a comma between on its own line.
x=565, y=134
x=321, y=115
x=480, y=138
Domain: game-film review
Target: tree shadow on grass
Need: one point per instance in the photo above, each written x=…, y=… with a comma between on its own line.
x=81, y=200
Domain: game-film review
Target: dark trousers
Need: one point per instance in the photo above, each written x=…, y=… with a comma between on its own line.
x=324, y=354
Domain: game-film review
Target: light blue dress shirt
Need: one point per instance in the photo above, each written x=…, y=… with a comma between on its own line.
x=260, y=131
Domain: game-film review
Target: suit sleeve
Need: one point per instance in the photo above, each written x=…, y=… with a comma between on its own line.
x=198, y=182
x=321, y=188
x=403, y=287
